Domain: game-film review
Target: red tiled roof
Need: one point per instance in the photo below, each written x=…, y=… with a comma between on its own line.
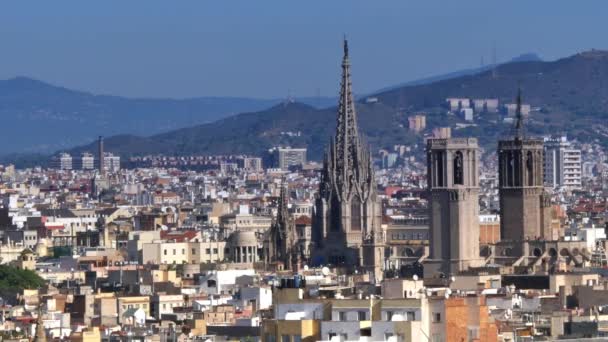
x=303, y=220
x=178, y=236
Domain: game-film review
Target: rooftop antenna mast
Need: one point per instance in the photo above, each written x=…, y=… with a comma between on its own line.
x=519, y=119
x=494, y=63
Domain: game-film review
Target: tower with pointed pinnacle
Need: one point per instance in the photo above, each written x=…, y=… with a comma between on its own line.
x=347, y=218
x=525, y=208
x=282, y=236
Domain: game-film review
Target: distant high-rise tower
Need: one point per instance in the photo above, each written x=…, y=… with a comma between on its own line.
x=525, y=208
x=453, y=186
x=347, y=221
x=102, y=168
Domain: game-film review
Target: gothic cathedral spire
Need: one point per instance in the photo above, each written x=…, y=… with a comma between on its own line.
x=347, y=210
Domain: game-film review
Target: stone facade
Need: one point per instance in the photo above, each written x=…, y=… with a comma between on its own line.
x=453, y=186
x=525, y=207
x=347, y=210
x=282, y=250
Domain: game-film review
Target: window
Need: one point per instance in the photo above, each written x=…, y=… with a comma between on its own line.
x=174, y=253
x=411, y=316
x=208, y=251
x=164, y=305
x=215, y=251
x=389, y=315
x=387, y=336
x=436, y=317
x=165, y=252
x=297, y=338
x=362, y=315
x=183, y=251
x=270, y=338
x=285, y=338
x=474, y=333
x=342, y=316
x=193, y=251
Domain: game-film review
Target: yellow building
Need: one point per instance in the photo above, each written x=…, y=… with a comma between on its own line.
x=183, y=252
x=88, y=335
x=292, y=331
x=300, y=319
x=133, y=302
x=27, y=261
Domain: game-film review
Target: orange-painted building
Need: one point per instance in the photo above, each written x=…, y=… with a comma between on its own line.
x=467, y=319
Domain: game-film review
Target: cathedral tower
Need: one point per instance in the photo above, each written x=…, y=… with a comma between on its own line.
x=525, y=208
x=347, y=209
x=453, y=186
x=282, y=236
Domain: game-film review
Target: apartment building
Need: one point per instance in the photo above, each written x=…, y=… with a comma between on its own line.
x=160, y=252
x=563, y=164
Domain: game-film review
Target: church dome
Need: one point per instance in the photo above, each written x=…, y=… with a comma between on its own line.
x=243, y=238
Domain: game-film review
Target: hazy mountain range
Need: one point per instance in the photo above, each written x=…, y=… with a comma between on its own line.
x=569, y=95
x=46, y=118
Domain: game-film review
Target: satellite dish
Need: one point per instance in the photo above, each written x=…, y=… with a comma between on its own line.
x=453, y=279
x=305, y=267
x=325, y=271
x=448, y=291
x=415, y=277
x=447, y=295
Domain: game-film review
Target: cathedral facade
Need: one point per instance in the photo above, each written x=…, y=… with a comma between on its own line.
x=347, y=217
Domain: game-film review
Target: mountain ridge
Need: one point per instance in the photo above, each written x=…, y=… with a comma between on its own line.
x=568, y=95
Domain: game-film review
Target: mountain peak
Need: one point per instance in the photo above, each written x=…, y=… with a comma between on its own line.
x=593, y=54
x=526, y=57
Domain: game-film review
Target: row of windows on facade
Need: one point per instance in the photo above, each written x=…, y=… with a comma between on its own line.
x=363, y=315
x=207, y=251
x=343, y=337
x=408, y=236
x=136, y=306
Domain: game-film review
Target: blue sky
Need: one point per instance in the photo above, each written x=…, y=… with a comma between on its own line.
x=250, y=48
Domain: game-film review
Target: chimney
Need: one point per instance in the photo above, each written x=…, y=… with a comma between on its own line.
x=101, y=154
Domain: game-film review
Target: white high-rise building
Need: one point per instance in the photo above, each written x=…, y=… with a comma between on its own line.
x=87, y=161
x=65, y=161
x=111, y=162
x=562, y=164
x=286, y=157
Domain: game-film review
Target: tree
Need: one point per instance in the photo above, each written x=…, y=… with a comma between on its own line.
x=13, y=280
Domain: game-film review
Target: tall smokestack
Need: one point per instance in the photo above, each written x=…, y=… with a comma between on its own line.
x=102, y=169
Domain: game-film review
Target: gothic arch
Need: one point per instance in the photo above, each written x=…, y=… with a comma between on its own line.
x=458, y=168
x=355, y=214
x=530, y=168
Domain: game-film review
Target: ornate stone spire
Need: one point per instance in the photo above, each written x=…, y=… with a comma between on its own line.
x=282, y=236
x=283, y=205
x=348, y=163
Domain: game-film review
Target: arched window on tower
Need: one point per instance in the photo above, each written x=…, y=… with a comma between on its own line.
x=440, y=168
x=355, y=214
x=458, y=168
x=510, y=169
x=530, y=168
